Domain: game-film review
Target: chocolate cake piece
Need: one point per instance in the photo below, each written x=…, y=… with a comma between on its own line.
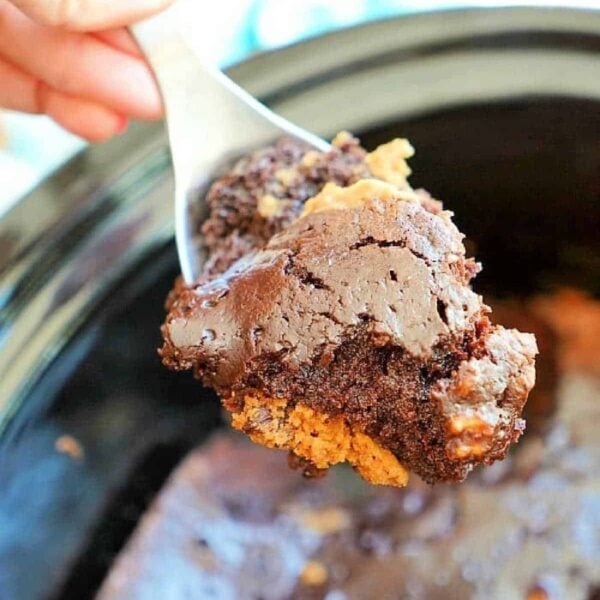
x=266, y=191
x=524, y=315
x=353, y=335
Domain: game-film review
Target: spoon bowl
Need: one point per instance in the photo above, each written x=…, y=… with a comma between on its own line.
x=211, y=122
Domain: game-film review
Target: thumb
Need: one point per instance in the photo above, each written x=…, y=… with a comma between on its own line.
x=90, y=15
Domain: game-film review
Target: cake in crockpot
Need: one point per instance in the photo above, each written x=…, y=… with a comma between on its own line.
x=336, y=320
x=234, y=523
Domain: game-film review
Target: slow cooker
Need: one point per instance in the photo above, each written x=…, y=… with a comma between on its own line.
x=503, y=106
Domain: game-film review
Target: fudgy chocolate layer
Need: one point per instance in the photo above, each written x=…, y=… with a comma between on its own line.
x=389, y=262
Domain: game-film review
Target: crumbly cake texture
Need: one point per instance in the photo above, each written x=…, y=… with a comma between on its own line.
x=336, y=320
x=266, y=191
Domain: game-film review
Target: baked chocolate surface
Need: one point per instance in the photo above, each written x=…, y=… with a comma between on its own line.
x=359, y=310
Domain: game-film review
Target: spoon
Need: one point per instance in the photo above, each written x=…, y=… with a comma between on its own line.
x=211, y=121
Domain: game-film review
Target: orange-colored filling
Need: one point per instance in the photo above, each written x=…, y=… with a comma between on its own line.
x=323, y=439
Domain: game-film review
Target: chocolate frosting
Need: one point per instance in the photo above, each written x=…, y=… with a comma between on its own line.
x=391, y=263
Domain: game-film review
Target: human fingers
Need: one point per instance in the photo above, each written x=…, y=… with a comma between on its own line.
x=90, y=15
x=17, y=88
x=120, y=39
x=22, y=92
x=79, y=65
x=91, y=121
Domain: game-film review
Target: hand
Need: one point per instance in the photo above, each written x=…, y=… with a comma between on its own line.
x=74, y=61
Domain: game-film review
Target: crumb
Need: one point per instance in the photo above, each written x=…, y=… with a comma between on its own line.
x=330, y=519
x=67, y=444
x=285, y=176
x=314, y=573
x=342, y=138
x=268, y=206
x=537, y=593
x=310, y=159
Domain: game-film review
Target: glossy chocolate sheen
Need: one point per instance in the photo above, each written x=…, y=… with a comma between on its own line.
x=392, y=263
x=361, y=307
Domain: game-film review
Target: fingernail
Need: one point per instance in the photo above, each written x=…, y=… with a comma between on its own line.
x=122, y=124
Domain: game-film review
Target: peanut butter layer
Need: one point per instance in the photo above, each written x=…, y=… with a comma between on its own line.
x=322, y=439
x=353, y=334
x=388, y=162
x=334, y=197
